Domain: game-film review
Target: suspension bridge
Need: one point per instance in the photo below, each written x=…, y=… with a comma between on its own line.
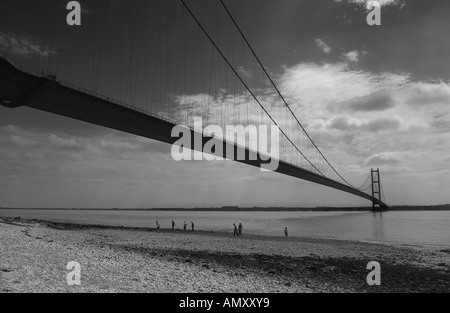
x=192, y=61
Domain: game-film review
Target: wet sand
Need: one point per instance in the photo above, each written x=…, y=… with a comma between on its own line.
x=34, y=256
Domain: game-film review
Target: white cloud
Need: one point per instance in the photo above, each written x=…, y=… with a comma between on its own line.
x=358, y=118
x=322, y=45
x=352, y=56
x=425, y=94
x=324, y=85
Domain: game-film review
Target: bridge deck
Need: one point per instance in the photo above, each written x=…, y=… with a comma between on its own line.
x=21, y=88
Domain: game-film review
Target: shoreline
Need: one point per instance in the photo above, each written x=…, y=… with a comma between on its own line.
x=133, y=259
x=74, y=226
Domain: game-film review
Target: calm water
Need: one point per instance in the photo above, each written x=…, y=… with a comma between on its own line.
x=408, y=227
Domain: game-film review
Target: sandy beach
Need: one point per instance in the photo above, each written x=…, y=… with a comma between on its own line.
x=34, y=256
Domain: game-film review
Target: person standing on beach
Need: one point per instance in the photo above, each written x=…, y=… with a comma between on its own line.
x=157, y=225
x=185, y=225
x=285, y=232
x=235, y=233
x=173, y=225
x=192, y=225
x=240, y=229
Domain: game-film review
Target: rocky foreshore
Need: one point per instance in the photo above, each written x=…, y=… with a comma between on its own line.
x=34, y=257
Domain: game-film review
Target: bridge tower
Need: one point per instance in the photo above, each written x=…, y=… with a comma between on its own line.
x=376, y=188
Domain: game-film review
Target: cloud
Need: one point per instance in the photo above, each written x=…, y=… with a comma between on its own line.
x=348, y=123
x=321, y=85
x=23, y=45
x=246, y=74
x=441, y=125
x=352, y=56
x=398, y=162
x=385, y=158
x=64, y=146
x=318, y=91
x=13, y=135
x=376, y=101
x=425, y=94
x=322, y=45
x=66, y=143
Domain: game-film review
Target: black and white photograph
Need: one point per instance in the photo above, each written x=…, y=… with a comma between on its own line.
x=223, y=152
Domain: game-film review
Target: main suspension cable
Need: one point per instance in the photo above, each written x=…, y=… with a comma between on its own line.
x=245, y=85
x=278, y=91
x=367, y=179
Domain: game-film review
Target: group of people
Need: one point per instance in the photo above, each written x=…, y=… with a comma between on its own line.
x=173, y=225
x=237, y=229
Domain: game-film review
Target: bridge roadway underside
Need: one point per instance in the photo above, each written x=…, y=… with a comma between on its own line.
x=18, y=88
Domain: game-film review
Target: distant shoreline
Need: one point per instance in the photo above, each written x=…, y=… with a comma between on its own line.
x=445, y=207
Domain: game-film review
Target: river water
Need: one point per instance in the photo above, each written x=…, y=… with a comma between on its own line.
x=406, y=227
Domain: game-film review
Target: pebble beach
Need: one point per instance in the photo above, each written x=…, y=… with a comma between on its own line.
x=34, y=256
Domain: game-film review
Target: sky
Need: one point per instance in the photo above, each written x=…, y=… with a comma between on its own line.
x=370, y=97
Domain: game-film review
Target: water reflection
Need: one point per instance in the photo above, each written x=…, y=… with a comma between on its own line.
x=378, y=226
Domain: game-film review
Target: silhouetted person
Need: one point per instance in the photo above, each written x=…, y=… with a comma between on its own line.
x=240, y=229
x=285, y=232
x=157, y=225
x=173, y=225
x=185, y=225
x=192, y=225
x=235, y=233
